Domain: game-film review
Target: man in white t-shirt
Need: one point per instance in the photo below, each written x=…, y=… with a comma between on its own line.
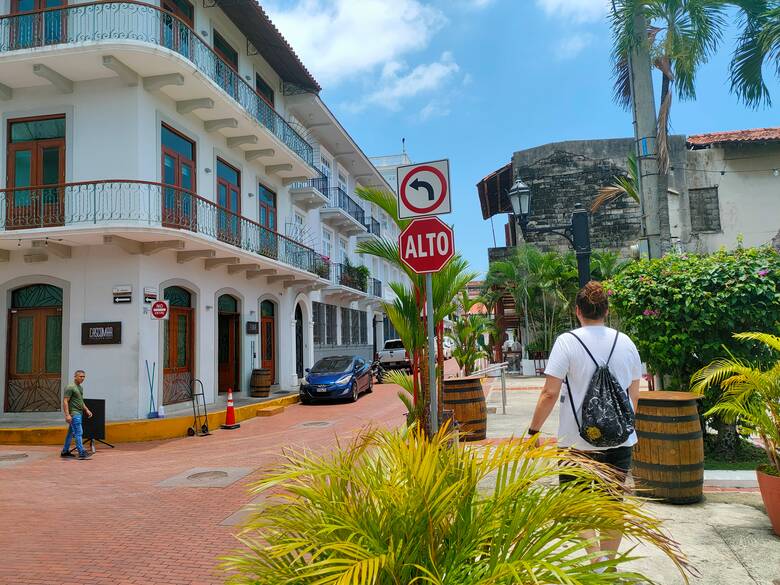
x=570, y=360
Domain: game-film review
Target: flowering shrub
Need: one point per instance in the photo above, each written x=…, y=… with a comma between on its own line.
x=682, y=309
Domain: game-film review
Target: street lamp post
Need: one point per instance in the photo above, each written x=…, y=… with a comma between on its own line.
x=577, y=233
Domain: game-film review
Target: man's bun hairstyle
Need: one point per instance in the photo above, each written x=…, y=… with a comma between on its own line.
x=592, y=301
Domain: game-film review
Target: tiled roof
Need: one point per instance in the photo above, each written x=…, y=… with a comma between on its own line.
x=755, y=135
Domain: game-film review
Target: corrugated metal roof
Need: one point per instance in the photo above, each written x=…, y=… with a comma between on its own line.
x=754, y=135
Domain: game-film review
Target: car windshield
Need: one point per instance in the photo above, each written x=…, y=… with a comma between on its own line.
x=394, y=344
x=332, y=365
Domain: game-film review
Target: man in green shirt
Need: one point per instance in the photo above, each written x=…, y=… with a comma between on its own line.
x=73, y=406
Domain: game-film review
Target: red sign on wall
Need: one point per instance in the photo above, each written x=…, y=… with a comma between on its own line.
x=426, y=245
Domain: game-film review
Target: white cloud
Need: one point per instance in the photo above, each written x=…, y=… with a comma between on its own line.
x=435, y=109
x=573, y=45
x=479, y=3
x=576, y=10
x=399, y=83
x=341, y=39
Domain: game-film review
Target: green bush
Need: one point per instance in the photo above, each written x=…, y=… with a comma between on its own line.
x=682, y=309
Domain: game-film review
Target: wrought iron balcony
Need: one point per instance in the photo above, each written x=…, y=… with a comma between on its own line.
x=146, y=204
x=349, y=276
x=374, y=228
x=338, y=199
x=376, y=287
x=142, y=23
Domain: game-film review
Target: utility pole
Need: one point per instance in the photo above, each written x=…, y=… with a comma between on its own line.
x=652, y=185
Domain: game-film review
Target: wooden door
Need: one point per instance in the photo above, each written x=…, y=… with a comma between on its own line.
x=179, y=207
x=34, y=28
x=227, y=352
x=298, y=341
x=34, y=359
x=35, y=163
x=229, y=201
x=268, y=346
x=178, y=348
x=176, y=25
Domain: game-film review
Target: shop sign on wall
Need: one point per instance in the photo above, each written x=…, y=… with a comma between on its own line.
x=101, y=333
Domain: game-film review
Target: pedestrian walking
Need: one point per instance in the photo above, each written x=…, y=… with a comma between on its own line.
x=74, y=408
x=597, y=409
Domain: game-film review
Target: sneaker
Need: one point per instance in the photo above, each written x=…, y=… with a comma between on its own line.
x=85, y=455
x=67, y=454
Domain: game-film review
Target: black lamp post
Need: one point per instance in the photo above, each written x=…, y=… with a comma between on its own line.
x=577, y=232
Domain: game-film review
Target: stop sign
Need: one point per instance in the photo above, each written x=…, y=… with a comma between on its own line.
x=426, y=245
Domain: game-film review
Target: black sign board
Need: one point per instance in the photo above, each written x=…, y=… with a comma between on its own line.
x=252, y=327
x=94, y=427
x=101, y=333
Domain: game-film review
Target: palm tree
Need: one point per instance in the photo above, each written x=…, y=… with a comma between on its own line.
x=623, y=186
x=757, y=47
x=606, y=264
x=683, y=35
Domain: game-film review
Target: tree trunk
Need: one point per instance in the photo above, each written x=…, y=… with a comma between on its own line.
x=728, y=439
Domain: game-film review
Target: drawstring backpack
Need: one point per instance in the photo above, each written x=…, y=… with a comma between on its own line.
x=607, y=416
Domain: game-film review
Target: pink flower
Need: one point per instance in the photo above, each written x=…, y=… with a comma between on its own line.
x=647, y=312
x=610, y=292
x=763, y=272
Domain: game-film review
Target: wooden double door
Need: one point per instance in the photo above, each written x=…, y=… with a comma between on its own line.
x=228, y=363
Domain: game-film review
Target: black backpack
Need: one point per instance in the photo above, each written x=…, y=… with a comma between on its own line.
x=607, y=416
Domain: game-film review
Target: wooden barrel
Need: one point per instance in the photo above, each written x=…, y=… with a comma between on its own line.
x=669, y=457
x=260, y=383
x=464, y=396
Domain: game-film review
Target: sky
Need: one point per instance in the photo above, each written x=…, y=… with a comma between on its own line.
x=475, y=80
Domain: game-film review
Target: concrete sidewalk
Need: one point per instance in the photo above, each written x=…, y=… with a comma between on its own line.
x=727, y=537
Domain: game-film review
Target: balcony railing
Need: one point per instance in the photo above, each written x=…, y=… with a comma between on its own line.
x=143, y=23
x=374, y=228
x=320, y=183
x=349, y=276
x=142, y=203
x=376, y=287
x=338, y=199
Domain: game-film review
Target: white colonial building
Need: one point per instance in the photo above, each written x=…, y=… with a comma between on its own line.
x=178, y=151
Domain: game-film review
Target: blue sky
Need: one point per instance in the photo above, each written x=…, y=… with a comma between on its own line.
x=475, y=80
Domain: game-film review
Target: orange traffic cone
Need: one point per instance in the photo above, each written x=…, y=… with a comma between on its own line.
x=230, y=415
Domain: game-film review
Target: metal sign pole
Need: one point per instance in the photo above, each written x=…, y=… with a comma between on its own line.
x=431, y=355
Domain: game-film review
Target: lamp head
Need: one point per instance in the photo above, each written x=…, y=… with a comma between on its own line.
x=520, y=198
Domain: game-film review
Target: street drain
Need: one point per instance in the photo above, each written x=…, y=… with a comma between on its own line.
x=316, y=423
x=207, y=475
x=13, y=457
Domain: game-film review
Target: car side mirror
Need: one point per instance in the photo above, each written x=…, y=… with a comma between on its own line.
x=307, y=370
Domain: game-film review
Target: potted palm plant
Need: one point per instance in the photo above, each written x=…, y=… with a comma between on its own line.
x=751, y=397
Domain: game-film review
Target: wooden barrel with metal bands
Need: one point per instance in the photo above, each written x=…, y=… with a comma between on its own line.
x=260, y=383
x=464, y=396
x=669, y=458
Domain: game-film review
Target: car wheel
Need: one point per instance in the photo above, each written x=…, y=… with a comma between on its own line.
x=305, y=400
x=355, y=393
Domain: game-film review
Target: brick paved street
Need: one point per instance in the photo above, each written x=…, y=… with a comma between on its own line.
x=107, y=521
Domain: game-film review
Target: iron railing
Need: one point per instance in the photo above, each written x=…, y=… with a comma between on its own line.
x=349, y=276
x=338, y=199
x=376, y=287
x=374, y=228
x=143, y=203
x=320, y=183
x=143, y=23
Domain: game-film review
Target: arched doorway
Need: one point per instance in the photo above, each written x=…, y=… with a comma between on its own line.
x=34, y=354
x=228, y=352
x=178, y=346
x=299, y=340
x=268, y=337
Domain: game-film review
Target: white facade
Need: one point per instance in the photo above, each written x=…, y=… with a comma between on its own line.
x=86, y=113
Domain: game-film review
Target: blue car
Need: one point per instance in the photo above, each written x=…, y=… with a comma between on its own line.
x=336, y=378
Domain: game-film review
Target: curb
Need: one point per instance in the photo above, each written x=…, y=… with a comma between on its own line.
x=135, y=431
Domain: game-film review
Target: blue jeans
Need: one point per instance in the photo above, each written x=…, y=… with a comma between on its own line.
x=74, y=432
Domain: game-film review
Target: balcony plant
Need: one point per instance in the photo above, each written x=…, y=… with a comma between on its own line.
x=750, y=396
x=394, y=507
x=322, y=267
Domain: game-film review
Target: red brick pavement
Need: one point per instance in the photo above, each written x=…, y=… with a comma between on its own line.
x=106, y=521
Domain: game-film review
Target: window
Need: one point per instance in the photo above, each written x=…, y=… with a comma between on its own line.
x=224, y=50
x=229, y=200
x=330, y=312
x=264, y=90
x=345, y=328
x=178, y=172
x=267, y=200
x=298, y=219
x=363, y=327
x=343, y=182
x=318, y=316
x=705, y=210
x=180, y=8
x=327, y=243
x=343, y=250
